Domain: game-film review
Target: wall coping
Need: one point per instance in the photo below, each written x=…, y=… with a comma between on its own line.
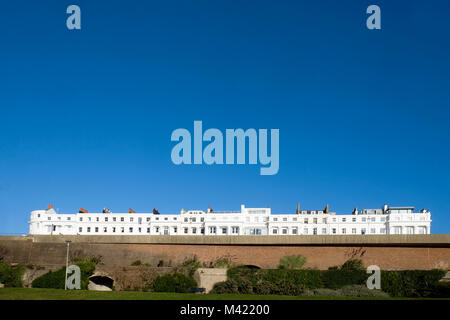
x=432, y=240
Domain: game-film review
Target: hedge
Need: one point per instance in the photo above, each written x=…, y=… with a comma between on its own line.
x=56, y=279
x=176, y=282
x=412, y=283
x=11, y=276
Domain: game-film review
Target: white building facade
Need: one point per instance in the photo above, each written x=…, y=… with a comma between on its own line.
x=247, y=221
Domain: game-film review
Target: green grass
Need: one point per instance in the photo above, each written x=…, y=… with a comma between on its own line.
x=58, y=294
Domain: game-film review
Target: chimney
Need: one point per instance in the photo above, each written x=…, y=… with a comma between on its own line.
x=210, y=209
x=326, y=209
x=131, y=211
x=49, y=207
x=355, y=211
x=83, y=211
x=298, y=208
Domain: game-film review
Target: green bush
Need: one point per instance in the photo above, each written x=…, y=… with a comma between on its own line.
x=411, y=283
x=335, y=278
x=349, y=281
x=353, y=264
x=228, y=286
x=11, y=276
x=176, y=282
x=56, y=279
x=188, y=267
x=222, y=263
x=136, y=263
x=292, y=262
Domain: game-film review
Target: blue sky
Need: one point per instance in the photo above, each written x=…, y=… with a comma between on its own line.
x=86, y=116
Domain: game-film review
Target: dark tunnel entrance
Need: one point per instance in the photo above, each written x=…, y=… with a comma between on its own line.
x=102, y=281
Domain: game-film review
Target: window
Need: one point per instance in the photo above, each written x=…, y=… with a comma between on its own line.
x=372, y=230
x=409, y=230
x=106, y=219
x=122, y=219
x=382, y=230
x=334, y=219
x=382, y=219
x=373, y=219
x=422, y=230
x=175, y=229
x=88, y=229
x=96, y=229
x=81, y=219
x=353, y=219
x=114, y=219
x=305, y=231
x=324, y=230
x=294, y=231
x=131, y=219
x=274, y=231
x=285, y=231
x=131, y=229
x=202, y=230
x=105, y=229
x=39, y=215
x=140, y=230
x=344, y=219
x=157, y=229
x=294, y=219
x=224, y=230
x=334, y=230
x=275, y=219
x=315, y=220
x=353, y=230
x=202, y=219
x=315, y=231
x=186, y=230
x=194, y=219
x=114, y=229
x=148, y=230
x=148, y=219
x=284, y=219
x=344, y=230
x=80, y=229
x=194, y=230
x=165, y=219
x=324, y=220
x=363, y=231
x=363, y=219
x=305, y=220
x=122, y=229
x=185, y=219
x=98, y=219
x=68, y=218
x=235, y=230
x=49, y=218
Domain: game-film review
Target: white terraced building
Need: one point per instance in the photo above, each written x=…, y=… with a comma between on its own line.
x=247, y=221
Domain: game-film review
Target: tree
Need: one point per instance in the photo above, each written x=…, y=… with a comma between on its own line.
x=353, y=264
x=292, y=262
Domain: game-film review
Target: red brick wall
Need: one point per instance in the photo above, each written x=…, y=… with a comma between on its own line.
x=321, y=257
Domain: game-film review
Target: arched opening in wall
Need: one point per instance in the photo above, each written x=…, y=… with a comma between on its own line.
x=251, y=266
x=101, y=283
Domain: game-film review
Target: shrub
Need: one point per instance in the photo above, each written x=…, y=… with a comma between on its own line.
x=56, y=279
x=222, y=263
x=188, y=267
x=136, y=263
x=353, y=264
x=410, y=283
x=292, y=262
x=441, y=290
x=228, y=286
x=11, y=276
x=361, y=291
x=176, y=282
x=335, y=278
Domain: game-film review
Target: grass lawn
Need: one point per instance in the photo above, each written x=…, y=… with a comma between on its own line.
x=58, y=294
